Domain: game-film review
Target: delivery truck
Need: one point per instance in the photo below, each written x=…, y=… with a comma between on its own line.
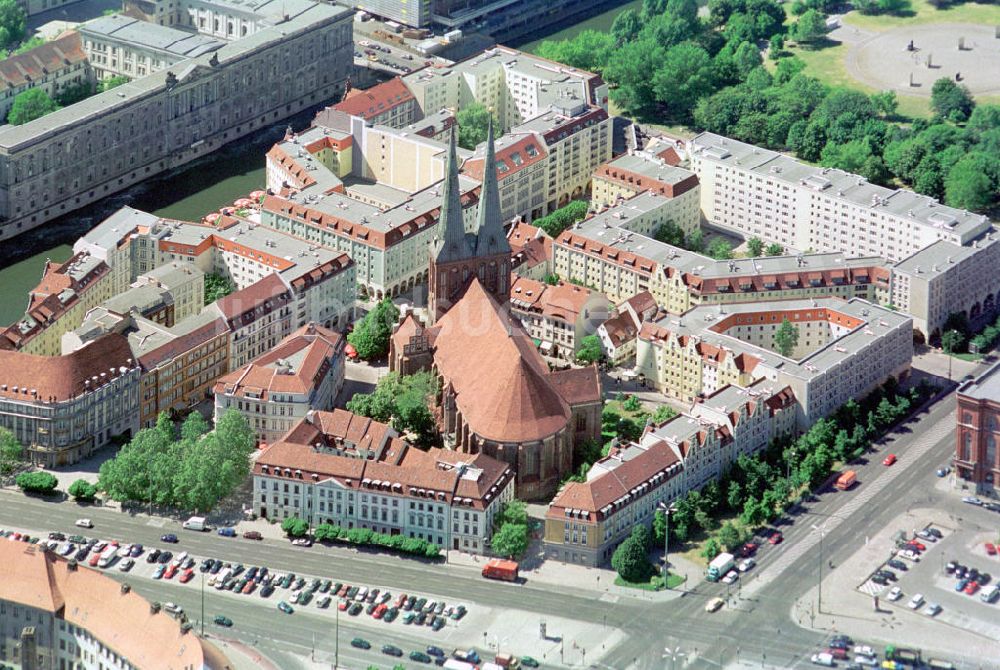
x=500, y=569
x=846, y=480
x=196, y=523
x=719, y=566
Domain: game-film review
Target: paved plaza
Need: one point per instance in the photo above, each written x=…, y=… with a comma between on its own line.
x=884, y=60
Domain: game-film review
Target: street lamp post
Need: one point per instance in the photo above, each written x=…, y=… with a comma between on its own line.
x=666, y=509
x=673, y=655
x=336, y=648
x=819, y=582
x=203, y=604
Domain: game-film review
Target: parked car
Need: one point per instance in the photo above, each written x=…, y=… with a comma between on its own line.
x=971, y=500
x=889, y=460
x=227, y=532
x=971, y=588
x=933, y=609
x=991, y=549
x=186, y=576
x=925, y=535
x=776, y=537
x=895, y=594
x=935, y=532
x=897, y=564
x=153, y=556
x=746, y=564
x=916, y=601
x=918, y=546
x=960, y=586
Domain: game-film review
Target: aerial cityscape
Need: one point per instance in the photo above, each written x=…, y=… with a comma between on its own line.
x=499, y=334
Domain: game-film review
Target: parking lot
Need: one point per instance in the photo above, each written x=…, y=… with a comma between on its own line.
x=948, y=579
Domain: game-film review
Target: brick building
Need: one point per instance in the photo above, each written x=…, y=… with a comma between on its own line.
x=977, y=431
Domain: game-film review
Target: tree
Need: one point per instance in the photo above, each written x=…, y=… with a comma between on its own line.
x=968, y=184
x=74, y=93
x=511, y=540
x=216, y=287
x=720, y=249
x=515, y=512
x=730, y=536
x=663, y=413
x=950, y=100
x=786, y=338
x=402, y=401
x=630, y=560
x=590, y=350
x=588, y=50
x=28, y=44
x=684, y=76
x=82, y=490
x=753, y=512
x=13, y=23
x=564, y=217
x=774, y=249
x=11, y=451
x=755, y=246
x=734, y=496
x=669, y=233
x=885, y=102
x=371, y=334
x=295, y=527
x=810, y=28
x=952, y=341
x=659, y=526
x=30, y=105
x=695, y=241
x=112, y=82
x=473, y=121
x=626, y=26
x=194, y=427
x=36, y=482
x=711, y=549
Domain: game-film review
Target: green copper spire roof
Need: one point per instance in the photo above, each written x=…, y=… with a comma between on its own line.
x=490, y=235
x=451, y=244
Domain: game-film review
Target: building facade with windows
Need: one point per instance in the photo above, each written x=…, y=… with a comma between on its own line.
x=558, y=316
x=342, y=469
x=977, y=461
x=64, y=408
x=586, y=521
x=56, y=614
x=762, y=193
x=304, y=372
x=112, y=140
x=54, y=67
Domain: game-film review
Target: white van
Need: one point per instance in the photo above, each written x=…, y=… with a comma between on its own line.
x=991, y=594
x=222, y=577
x=823, y=658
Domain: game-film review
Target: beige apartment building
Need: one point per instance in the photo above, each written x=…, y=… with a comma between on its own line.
x=587, y=521
x=52, y=67
x=304, y=372
x=557, y=317
x=846, y=348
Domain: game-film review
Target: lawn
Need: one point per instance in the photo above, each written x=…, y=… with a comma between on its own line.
x=654, y=584
x=925, y=13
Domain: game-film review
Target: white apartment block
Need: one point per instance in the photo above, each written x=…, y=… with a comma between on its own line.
x=762, y=193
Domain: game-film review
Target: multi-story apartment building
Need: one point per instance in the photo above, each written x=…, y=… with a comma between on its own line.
x=779, y=199
x=557, y=316
x=946, y=278
x=339, y=468
x=530, y=251
x=63, y=408
x=515, y=85
x=185, y=282
x=59, y=304
x=845, y=349
x=587, y=520
x=977, y=461
x=612, y=252
x=52, y=67
x=179, y=364
x=619, y=333
x=304, y=372
x=389, y=103
x=522, y=173
x=56, y=614
x=258, y=317
x=655, y=170
x=86, y=151
x=118, y=45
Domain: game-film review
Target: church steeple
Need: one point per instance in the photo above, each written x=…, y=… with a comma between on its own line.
x=491, y=238
x=451, y=244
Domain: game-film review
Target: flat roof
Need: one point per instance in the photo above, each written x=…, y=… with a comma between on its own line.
x=652, y=167
x=151, y=36
x=936, y=258
x=985, y=387
x=920, y=209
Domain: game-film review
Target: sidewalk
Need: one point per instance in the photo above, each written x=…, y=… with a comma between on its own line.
x=241, y=656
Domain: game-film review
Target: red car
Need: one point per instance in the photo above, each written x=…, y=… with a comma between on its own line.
x=919, y=546
x=342, y=605
x=776, y=538
x=343, y=590
x=170, y=572
x=837, y=653
x=971, y=588
x=991, y=549
x=186, y=576
x=748, y=549
x=889, y=460
x=251, y=585
x=253, y=535
x=380, y=611
x=94, y=558
x=400, y=600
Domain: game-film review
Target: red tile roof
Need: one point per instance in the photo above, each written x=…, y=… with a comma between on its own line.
x=60, y=378
x=122, y=620
x=578, y=386
x=372, y=102
x=480, y=350
x=49, y=58
x=510, y=159
x=263, y=296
